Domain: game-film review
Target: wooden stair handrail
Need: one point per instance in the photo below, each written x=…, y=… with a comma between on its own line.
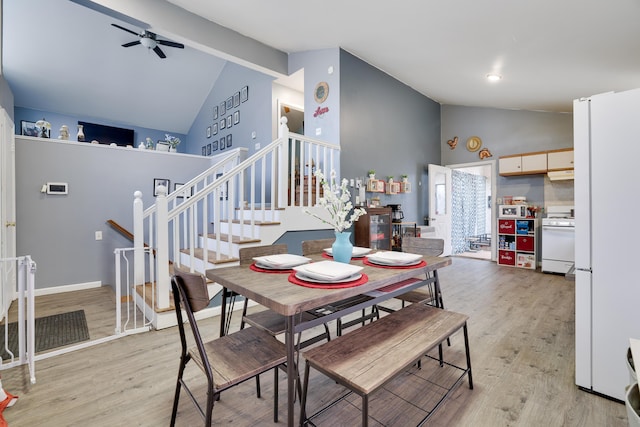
x=126, y=233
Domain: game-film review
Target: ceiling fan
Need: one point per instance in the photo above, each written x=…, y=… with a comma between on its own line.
x=150, y=41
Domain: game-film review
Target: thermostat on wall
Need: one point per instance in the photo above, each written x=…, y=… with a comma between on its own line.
x=57, y=188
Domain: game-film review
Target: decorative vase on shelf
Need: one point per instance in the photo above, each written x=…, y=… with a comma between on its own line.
x=80, y=133
x=173, y=149
x=342, y=249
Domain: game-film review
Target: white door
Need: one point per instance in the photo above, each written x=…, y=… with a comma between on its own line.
x=7, y=208
x=440, y=204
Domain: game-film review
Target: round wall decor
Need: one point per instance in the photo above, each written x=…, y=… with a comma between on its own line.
x=474, y=143
x=321, y=93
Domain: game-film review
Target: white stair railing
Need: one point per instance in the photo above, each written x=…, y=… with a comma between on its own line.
x=225, y=204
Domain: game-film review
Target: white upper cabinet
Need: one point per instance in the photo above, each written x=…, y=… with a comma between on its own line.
x=560, y=159
x=523, y=164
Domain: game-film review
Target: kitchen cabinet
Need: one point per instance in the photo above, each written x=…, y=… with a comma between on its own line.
x=373, y=230
x=523, y=164
x=558, y=160
x=518, y=242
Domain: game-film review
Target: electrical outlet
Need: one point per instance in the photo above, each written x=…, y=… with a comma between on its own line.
x=318, y=131
x=257, y=146
x=98, y=235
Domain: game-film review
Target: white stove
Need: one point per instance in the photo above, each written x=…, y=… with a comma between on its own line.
x=558, y=239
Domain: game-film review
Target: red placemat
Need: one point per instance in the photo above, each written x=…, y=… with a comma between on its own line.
x=421, y=264
x=361, y=281
x=254, y=267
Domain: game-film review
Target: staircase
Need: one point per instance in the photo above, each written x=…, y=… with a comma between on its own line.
x=238, y=202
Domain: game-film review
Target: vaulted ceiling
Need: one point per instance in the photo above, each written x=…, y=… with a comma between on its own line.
x=61, y=56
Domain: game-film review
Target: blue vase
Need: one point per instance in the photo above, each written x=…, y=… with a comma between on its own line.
x=342, y=247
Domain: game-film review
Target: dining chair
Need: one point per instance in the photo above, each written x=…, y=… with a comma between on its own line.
x=311, y=247
x=226, y=361
x=430, y=293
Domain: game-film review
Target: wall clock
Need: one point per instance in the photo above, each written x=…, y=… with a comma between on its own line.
x=321, y=93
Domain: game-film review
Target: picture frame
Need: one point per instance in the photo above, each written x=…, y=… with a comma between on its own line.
x=160, y=181
x=244, y=94
x=204, y=149
x=223, y=143
x=28, y=128
x=215, y=113
x=229, y=121
x=223, y=123
x=223, y=109
x=236, y=117
x=214, y=146
x=214, y=129
x=209, y=132
x=236, y=99
x=228, y=140
x=229, y=104
x=208, y=149
x=162, y=146
x=176, y=187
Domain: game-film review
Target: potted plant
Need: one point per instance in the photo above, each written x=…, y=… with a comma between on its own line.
x=372, y=173
x=173, y=141
x=405, y=178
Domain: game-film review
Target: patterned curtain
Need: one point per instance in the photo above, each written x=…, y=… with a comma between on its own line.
x=469, y=208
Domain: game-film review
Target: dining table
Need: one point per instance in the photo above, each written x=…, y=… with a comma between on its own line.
x=279, y=293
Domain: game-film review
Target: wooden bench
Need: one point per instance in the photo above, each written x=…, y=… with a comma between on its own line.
x=366, y=359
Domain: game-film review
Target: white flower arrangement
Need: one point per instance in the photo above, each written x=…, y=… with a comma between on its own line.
x=337, y=200
x=172, y=140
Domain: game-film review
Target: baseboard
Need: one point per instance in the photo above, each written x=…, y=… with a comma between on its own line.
x=67, y=288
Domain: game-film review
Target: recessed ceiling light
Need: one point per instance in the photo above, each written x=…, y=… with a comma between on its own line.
x=494, y=77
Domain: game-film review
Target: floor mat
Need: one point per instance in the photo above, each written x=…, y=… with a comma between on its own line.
x=51, y=332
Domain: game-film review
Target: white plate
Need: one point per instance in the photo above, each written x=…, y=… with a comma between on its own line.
x=306, y=278
x=280, y=261
x=394, y=258
x=328, y=270
x=357, y=251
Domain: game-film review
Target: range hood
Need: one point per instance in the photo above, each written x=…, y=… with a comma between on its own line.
x=560, y=175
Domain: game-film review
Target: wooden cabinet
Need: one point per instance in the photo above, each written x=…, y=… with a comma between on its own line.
x=373, y=230
x=558, y=160
x=518, y=242
x=523, y=164
x=534, y=163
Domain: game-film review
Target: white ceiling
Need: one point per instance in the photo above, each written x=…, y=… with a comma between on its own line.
x=63, y=57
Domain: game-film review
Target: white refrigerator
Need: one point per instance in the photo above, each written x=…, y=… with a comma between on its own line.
x=607, y=245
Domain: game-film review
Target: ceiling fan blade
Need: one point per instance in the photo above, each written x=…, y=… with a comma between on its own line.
x=159, y=51
x=126, y=29
x=170, y=44
x=131, y=43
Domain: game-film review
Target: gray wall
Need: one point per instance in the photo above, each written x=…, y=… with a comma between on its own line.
x=255, y=114
x=387, y=126
x=506, y=132
x=59, y=231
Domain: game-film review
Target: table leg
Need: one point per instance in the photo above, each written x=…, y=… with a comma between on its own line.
x=223, y=312
x=289, y=342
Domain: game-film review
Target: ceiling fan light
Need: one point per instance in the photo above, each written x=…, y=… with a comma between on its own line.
x=147, y=42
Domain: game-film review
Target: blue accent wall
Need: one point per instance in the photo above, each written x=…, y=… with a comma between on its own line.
x=254, y=114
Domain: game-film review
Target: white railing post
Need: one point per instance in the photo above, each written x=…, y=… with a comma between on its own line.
x=162, y=248
x=138, y=239
x=281, y=175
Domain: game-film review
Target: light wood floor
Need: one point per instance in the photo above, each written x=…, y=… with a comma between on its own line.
x=522, y=348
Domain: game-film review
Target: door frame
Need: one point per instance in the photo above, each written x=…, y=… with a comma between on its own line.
x=494, y=177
